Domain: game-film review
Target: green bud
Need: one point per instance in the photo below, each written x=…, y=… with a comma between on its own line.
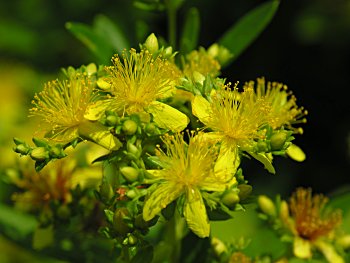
x=266, y=205
x=218, y=246
x=262, y=146
x=151, y=43
x=230, y=199
x=112, y=120
x=39, y=154
x=131, y=194
x=198, y=77
x=129, y=127
x=132, y=240
x=119, y=224
x=56, y=152
x=18, y=141
x=106, y=191
x=91, y=69
x=168, y=52
x=63, y=212
x=284, y=210
x=39, y=142
x=244, y=191
x=130, y=173
x=22, y=149
x=131, y=148
x=150, y=128
x=278, y=140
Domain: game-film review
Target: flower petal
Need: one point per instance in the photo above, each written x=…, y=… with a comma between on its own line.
x=329, y=252
x=160, y=198
x=196, y=214
x=201, y=108
x=302, y=248
x=95, y=110
x=167, y=117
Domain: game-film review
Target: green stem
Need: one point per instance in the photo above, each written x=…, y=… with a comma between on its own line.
x=171, y=12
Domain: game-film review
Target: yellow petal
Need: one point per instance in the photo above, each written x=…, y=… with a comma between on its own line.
x=196, y=214
x=201, y=108
x=95, y=110
x=296, y=153
x=160, y=198
x=167, y=117
x=329, y=252
x=264, y=160
x=302, y=248
x=99, y=134
x=101, y=83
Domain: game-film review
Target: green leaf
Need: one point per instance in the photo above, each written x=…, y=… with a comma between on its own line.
x=264, y=160
x=111, y=32
x=248, y=28
x=143, y=255
x=15, y=223
x=190, y=32
x=93, y=41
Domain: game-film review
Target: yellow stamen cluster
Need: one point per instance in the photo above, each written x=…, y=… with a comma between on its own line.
x=312, y=220
x=138, y=79
x=62, y=105
x=284, y=110
x=237, y=116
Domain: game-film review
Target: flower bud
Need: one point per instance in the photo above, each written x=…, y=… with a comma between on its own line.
x=244, y=191
x=150, y=128
x=130, y=173
x=198, y=77
x=63, y=212
x=151, y=43
x=131, y=148
x=262, y=146
x=119, y=224
x=129, y=127
x=168, y=52
x=218, y=246
x=56, y=152
x=284, y=211
x=106, y=191
x=278, y=140
x=132, y=240
x=266, y=205
x=22, y=149
x=91, y=69
x=230, y=199
x=112, y=120
x=18, y=141
x=39, y=154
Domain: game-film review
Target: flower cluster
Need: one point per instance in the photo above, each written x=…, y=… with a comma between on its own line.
x=175, y=136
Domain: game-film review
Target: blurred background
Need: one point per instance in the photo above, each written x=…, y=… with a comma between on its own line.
x=306, y=46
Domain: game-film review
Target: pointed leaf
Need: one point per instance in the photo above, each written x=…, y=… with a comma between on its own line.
x=190, y=32
x=111, y=32
x=248, y=28
x=94, y=42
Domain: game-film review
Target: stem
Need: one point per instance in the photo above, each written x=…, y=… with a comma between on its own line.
x=171, y=12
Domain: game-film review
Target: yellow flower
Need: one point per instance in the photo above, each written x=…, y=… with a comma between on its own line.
x=69, y=109
x=139, y=81
x=284, y=110
x=187, y=170
x=234, y=118
x=53, y=183
x=311, y=224
x=200, y=61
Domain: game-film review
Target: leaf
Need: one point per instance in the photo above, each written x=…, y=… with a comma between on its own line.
x=94, y=42
x=190, y=32
x=111, y=32
x=143, y=255
x=15, y=223
x=248, y=28
x=264, y=160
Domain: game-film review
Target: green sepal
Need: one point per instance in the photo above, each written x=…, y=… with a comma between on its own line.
x=190, y=32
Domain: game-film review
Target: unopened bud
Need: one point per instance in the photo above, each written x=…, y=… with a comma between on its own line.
x=132, y=240
x=266, y=205
x=56, y=152
x=198, y=77
x=131, y=148
x=112, y=120
x=244, y=191
x=129, y=127
x=168, y=52
x=262, y=146
x=120, y=226
x=284, y=211
x=130, y=173
x=106, y=191
x=230, y=199
x=39, y=154
x=91, y=69
x=150, y=128
x=151, y=43
x=22, y=149
x=63, y=212
x=218, y=246
x=278, y=140
x=18, y=141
